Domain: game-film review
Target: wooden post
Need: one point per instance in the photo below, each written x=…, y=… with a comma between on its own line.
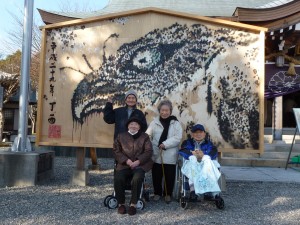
x=277, y=120
x=93, y=155
x=80, y=157
x=80, y=175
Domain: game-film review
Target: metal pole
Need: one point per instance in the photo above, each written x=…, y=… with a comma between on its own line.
x=20, y=144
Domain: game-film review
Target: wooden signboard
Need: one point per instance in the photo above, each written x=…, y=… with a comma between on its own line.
x=212, y=70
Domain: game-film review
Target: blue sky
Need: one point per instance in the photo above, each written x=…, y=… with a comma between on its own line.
x=15, y=6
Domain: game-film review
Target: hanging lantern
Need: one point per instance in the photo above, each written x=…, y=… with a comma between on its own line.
x=291, y=71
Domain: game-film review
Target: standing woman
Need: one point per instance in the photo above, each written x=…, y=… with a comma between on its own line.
x=165, y=133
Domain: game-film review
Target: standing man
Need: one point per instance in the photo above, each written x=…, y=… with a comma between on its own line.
x=120, y=116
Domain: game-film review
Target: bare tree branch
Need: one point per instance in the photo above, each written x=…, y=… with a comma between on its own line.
x=12, y=47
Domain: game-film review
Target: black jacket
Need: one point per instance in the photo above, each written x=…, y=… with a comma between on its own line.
x=119, y=117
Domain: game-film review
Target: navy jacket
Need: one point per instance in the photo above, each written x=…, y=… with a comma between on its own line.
x=207, y=148
x=119, y=117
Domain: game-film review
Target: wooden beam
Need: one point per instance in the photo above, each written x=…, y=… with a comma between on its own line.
x=232, y=150
x=160, y=11
x=70, y=144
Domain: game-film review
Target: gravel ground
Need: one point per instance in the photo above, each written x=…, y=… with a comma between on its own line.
x=57, y=202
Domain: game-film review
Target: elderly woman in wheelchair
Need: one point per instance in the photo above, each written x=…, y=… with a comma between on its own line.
x=200, y=168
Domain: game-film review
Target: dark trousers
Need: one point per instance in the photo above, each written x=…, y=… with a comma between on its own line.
x=158, y=181
x=121, y=182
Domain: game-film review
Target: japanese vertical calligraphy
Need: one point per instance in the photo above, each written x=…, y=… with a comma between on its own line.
x=54, y=130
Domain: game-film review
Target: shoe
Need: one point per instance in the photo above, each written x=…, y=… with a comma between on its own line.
x=168, y=199
x=132, y=210
x=193, y=196
x=156, y=198
x=122, y=209
x=208, y=196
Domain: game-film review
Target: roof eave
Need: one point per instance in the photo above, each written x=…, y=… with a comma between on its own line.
x=156, y=10
x=50, y=18
x=267, y=14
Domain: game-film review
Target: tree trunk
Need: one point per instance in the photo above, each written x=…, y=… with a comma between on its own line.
x=32, y=116
x=33, y=127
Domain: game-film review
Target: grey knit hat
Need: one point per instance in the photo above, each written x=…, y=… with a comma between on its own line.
x=131, y=92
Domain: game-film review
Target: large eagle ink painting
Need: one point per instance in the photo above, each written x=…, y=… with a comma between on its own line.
x=211, y=74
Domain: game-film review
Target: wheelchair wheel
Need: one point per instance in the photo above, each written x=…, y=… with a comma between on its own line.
x=106, y=199
x=178, y=183
x=140, y=204
x=112, y=203
x=220, y=203
x=183, y=202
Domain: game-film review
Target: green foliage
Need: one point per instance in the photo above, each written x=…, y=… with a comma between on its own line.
x=12, y=63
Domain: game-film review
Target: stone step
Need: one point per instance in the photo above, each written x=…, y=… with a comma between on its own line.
x=281, y=148
x=278, y=155
x=285, y=138
x=273, y=156
x=265, y=155
x=275, y=152
x=253, y=162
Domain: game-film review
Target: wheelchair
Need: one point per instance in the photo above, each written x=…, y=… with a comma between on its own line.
x=181, y=190
x=111, y=201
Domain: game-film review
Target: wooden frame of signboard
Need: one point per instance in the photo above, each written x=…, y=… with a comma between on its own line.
x=222, y=78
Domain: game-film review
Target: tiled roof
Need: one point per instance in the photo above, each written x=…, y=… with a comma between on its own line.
x=222, y=8
x=274, y=3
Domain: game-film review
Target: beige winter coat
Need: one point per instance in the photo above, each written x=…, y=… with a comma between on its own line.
x=155, y=130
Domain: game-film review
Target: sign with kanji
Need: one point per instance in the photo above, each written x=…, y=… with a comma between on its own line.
x=211, y=70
